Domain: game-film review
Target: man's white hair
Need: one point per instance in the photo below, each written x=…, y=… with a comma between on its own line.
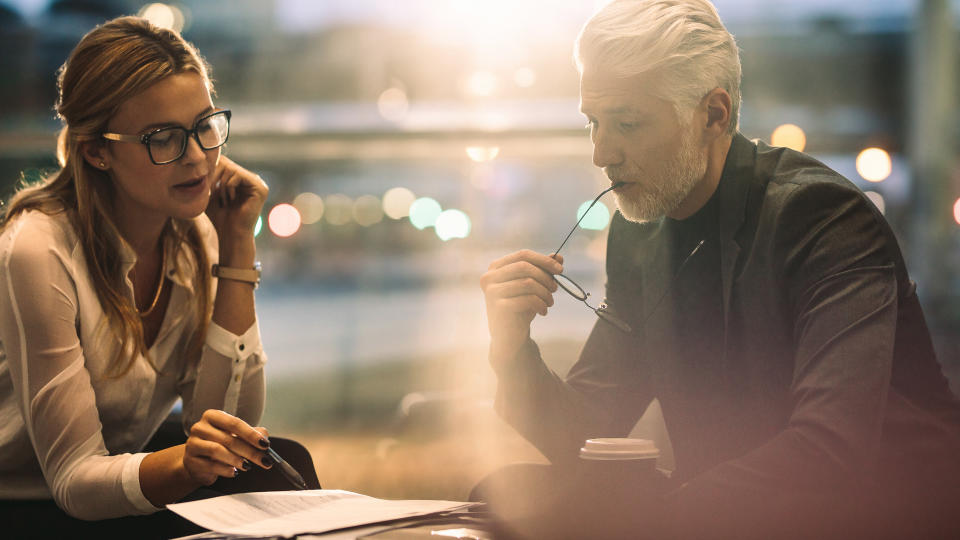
x=681, y=44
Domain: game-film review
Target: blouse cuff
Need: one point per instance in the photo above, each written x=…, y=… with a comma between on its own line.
x=232, y=346
x=130, y=478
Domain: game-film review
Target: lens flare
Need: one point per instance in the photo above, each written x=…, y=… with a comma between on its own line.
x=284, y=220
x=452, y=224
x=397, y=201
x=339, y=209
x=789, y=136
x=481, y=154
x=367, y=210
x=597, y=219
x=874, y=164
x=424, y=212
x=310, y=206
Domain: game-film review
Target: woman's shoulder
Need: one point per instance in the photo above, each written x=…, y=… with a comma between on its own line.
x=35, y=230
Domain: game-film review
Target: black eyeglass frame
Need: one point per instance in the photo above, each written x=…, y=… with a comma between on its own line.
x=194, y=131
x=574, y=289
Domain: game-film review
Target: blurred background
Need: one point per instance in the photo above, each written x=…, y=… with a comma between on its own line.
x=408, y=144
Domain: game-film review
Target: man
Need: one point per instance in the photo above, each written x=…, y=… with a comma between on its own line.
x=770, y=309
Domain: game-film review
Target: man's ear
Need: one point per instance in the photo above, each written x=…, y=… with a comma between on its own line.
x=95, y=153
x=718, y=106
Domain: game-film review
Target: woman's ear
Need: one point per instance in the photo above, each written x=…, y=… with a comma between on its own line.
x=95, y=153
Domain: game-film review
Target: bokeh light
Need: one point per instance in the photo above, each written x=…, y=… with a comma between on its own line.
x=789, y=136
x=284, y=220
x=874, y=164
x=524, y=77
x=163, y=15
x=482, y=84
x=452, y=224
x=481, y=154
x=956, y=211
x=397, y=201
x=367, y=210
x=393, y=104
x=598, y=217
x=338, y=209
x=424, y=212
x=310, y=206
x=878, y=200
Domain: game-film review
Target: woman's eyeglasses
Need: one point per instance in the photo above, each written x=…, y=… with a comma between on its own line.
x=168, y=144
x=576, y=291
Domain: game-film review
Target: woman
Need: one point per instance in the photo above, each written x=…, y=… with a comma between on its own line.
x=109, y=311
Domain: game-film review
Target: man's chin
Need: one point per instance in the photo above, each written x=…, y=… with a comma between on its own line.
x=637, y=213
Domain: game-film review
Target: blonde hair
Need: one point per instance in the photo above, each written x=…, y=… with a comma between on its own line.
x=680, y=44
x=111, y=64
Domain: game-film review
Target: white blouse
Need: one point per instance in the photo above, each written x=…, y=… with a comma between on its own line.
x=68, y=429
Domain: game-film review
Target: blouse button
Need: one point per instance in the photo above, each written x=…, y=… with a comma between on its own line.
x=241, y=346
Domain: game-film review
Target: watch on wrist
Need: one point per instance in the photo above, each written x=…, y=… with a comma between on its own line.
x=249, y=275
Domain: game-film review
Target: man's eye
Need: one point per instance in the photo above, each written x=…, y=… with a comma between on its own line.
x=628, y=126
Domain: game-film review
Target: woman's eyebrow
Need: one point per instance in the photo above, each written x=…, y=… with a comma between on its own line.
x=158, y=125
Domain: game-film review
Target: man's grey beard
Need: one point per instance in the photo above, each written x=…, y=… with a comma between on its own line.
x=657, y=197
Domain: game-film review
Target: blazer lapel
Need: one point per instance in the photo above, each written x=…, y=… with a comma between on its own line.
x=734, y=187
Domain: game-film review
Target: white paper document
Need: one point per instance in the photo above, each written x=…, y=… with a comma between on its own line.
x=287, y=513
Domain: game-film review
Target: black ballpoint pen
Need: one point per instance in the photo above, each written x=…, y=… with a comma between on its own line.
x=288, y=471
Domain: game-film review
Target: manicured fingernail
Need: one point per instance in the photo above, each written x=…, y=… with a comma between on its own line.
x=246, y=465
x=264, y=443
x=267, y=461
x=236, y=472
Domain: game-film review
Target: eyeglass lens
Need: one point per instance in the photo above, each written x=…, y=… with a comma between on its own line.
x=169, y=144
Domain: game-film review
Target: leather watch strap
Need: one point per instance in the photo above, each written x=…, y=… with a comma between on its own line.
x=249, y=275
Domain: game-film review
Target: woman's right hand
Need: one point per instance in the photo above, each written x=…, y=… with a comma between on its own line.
x=221, y=444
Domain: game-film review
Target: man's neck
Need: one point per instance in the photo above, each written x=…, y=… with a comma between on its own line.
x=701, y=193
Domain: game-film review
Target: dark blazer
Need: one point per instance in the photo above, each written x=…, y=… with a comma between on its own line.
x=824, y=376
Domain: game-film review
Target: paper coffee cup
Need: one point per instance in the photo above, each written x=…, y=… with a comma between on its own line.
x=618, y=449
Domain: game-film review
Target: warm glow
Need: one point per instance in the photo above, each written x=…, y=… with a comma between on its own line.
x=874, y=164
x=424, y=212
x=598, y=217
x=956, y=211
x=367, y=210
x=524, y=77
x=393, y=104
x=452, y=224
x=481, y=84
x=338, y=210
x=310, y=206
x=877, y=200
x=164, y=16
x=789, y=136
x=482, y=153
x=284, y=220
x=397, y=201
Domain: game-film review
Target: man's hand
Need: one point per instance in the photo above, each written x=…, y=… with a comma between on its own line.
x=516, y=288
x=221, y=444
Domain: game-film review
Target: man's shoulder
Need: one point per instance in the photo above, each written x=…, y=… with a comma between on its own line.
x=786, y=170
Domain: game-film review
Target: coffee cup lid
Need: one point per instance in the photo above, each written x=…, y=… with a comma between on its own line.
x=619, y=448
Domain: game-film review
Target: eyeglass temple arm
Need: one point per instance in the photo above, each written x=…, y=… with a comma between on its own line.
x=569, y=234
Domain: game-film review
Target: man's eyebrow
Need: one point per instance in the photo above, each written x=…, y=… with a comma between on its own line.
x=158, y=125
x=623, y=109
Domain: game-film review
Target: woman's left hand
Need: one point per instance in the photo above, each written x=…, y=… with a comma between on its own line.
x=236, y=199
